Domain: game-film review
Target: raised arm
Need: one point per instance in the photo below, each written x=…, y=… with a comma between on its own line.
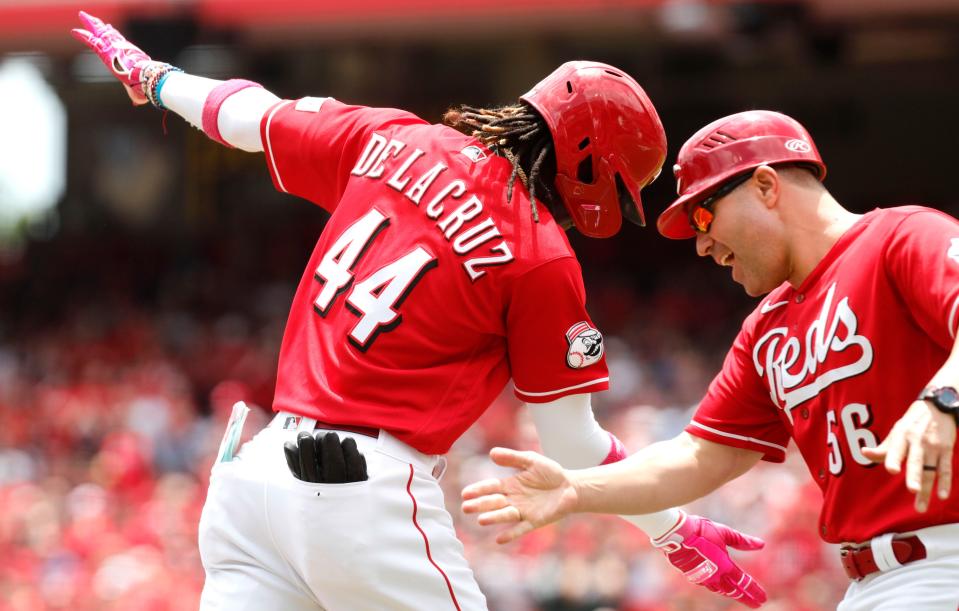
x=227, y=111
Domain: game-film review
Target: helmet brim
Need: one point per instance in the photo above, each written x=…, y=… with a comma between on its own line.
x=673, y=222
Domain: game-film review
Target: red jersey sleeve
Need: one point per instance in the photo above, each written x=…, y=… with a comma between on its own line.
x=922, y=260
x=312, y=144
x=737, y=409
x=554, y=348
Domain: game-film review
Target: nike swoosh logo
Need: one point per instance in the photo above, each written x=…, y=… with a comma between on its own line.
x=768, y=307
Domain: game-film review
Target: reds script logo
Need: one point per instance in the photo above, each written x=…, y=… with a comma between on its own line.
x=792, y=367
x=585, y=345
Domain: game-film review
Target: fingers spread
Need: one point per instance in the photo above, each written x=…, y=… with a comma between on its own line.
x=506, y=515
x=514, y=533
x=485, y=503
x=505, y=457
x=487, y=486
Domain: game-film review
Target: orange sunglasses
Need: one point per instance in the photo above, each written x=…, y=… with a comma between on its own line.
x=701, y=215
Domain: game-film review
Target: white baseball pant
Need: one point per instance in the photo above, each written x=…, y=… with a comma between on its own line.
x=271, y=541
x=930, y=584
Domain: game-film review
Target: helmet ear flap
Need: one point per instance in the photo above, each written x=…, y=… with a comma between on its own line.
x=593, y=206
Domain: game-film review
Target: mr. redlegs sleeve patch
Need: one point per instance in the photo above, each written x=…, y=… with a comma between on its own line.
x=585, y=345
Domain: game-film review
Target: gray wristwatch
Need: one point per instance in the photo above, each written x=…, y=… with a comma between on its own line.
x=943, y=398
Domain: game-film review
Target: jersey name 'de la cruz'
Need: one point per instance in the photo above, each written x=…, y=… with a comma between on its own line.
x=837, y=361
x=426, y=291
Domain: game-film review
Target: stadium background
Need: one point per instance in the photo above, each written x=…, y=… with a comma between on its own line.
x=153, y=293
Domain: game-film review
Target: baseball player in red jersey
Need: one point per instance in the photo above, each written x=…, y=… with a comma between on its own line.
x=855, y=343
x=423, y=297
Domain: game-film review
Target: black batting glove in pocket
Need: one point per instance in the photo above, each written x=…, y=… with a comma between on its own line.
x=321, y=458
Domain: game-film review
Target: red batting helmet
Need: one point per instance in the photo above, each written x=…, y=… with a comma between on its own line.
x=607, y=138
x=728, y=148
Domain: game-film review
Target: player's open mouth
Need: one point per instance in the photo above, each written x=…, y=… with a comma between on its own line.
x=727, y=260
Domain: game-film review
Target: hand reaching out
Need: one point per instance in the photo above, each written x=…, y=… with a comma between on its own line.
x=542, y=492
x=539, y=494
x=125, y=60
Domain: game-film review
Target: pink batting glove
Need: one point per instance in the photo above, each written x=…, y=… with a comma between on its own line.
x=697, y=547
x=125, y=60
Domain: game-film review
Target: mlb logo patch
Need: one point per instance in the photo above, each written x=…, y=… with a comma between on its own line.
x=585, y=345
x=953, y=252
x=474, y=153
x=310, y=104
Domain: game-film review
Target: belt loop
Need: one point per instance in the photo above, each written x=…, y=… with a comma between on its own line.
x=883, y=553
x=856, y=572
x=439, y=469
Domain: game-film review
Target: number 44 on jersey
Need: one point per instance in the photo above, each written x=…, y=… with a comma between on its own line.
x=376, y=298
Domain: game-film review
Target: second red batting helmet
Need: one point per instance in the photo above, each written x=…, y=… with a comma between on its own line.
x=730, y=147
x=608, y=139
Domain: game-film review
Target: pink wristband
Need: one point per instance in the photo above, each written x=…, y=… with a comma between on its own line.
x=617, y=452
x=211, y=108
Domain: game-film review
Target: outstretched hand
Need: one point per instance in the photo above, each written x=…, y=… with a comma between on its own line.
x=125, y=60
x=539, y=494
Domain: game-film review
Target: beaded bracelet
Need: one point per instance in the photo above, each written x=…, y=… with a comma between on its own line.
x=152, y=80
x=159, y=86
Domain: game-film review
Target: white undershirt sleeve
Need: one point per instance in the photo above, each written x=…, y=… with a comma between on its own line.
x=239, y=116
x=569, y=434
x=185, y=95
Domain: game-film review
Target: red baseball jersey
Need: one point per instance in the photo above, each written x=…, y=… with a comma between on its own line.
x=427, y=291
x=835, y=362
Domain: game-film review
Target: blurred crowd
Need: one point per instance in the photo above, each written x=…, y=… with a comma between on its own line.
x=113, y=400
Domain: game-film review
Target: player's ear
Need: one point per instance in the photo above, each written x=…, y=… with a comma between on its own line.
x=767, y=180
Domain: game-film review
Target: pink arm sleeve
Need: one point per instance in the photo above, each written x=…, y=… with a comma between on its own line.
x=238, y=115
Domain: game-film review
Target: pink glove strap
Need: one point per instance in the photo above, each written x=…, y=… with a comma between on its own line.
x=617, y=452
x=211, y=108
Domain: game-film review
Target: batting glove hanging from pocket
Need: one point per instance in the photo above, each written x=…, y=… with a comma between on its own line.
x=321, y=458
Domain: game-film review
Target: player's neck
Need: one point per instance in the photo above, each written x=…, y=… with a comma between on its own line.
x=822, y=221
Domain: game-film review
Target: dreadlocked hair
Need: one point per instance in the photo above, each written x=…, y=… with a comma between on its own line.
x=519, y=134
